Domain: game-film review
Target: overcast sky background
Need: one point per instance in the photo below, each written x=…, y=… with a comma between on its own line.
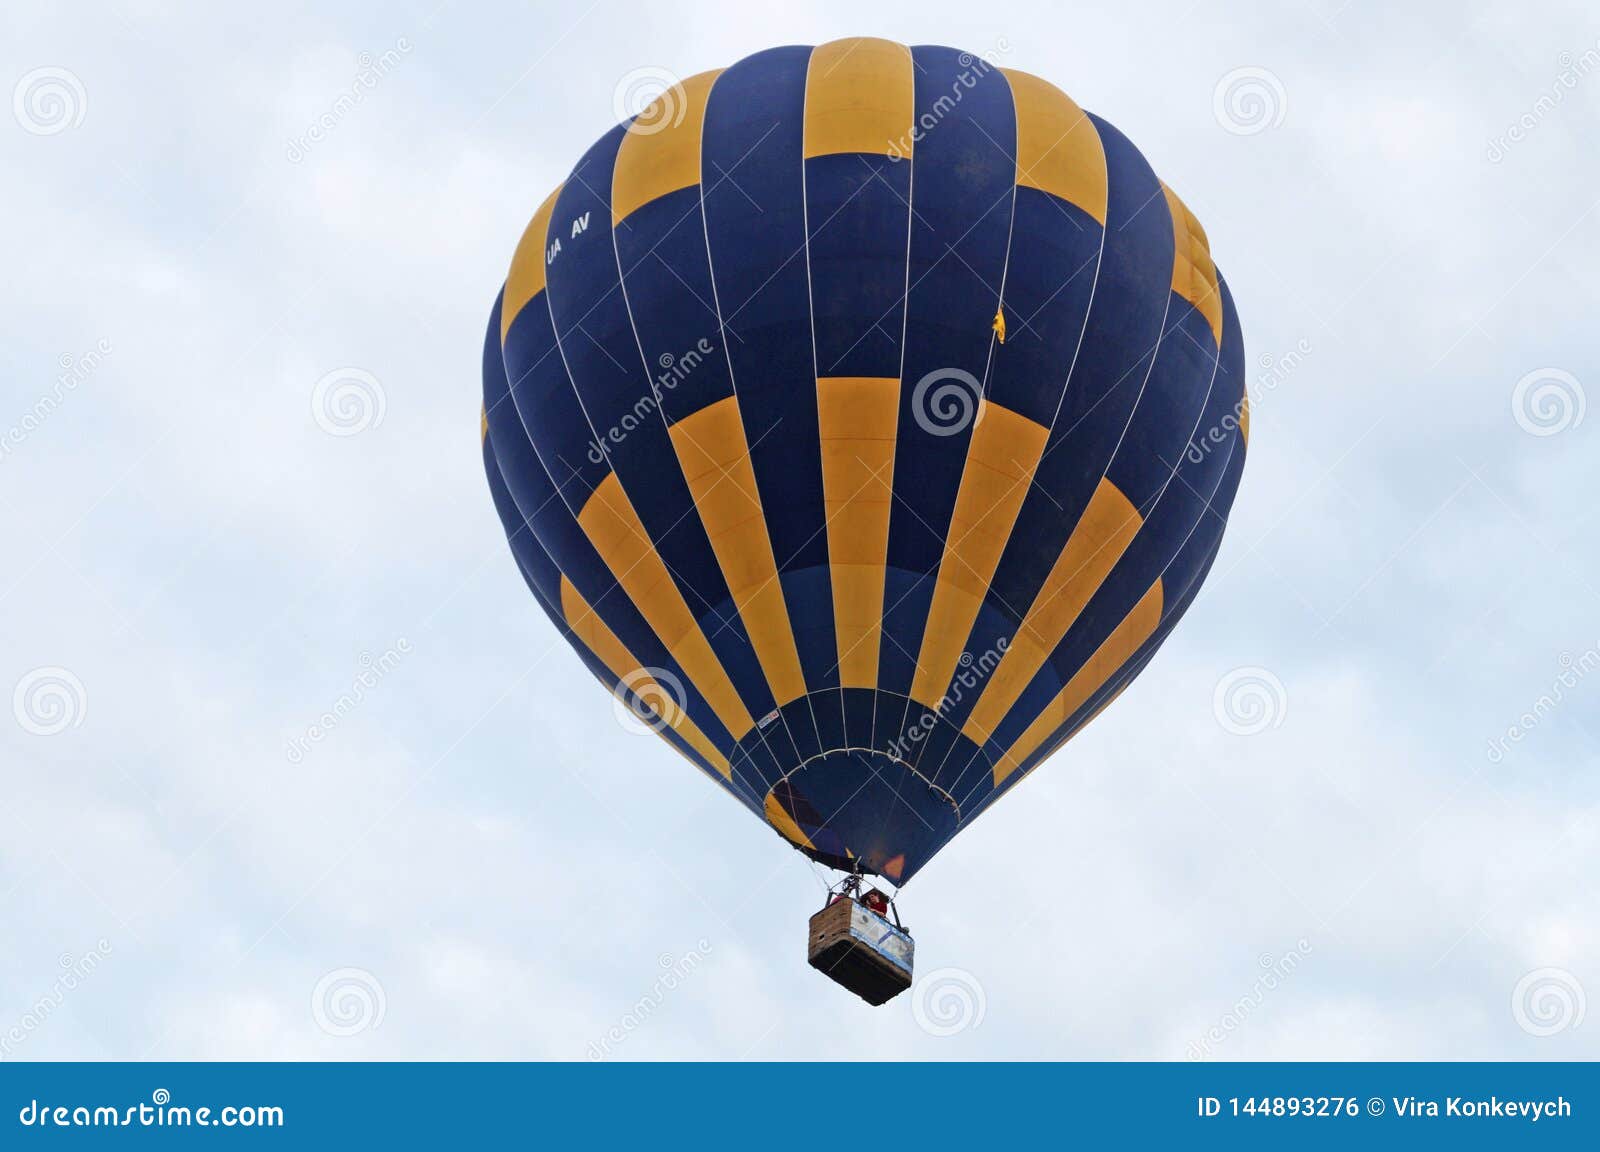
x=478, y=861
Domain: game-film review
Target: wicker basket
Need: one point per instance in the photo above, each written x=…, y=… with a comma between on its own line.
x=860, y=950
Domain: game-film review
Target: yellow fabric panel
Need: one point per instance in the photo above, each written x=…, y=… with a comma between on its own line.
x=784, y=823
x=613, y=527
x=664, y=156
x=715, y=458
x=1001, y=460
x=1058, y=149
x=857, y=416
x=1107, y=527
x=1136, y=627
x=1194, y=275
x=859, y=98
x=1244, y=417
x=483, y=416
x=526, y=278
x=1108, y=702
x=613, y=653
x=1061, y=740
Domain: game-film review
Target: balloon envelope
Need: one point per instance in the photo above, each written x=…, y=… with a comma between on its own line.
x=865, y=417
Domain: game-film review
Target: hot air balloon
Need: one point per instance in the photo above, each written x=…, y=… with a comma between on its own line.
x=865, y=417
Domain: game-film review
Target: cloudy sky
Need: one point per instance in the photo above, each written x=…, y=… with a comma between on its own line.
x=1349, y=811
